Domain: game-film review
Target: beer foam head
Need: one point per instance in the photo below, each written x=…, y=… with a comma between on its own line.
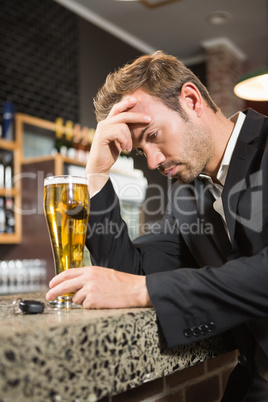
x=65, y=179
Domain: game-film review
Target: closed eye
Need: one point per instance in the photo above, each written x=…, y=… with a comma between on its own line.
x=139, y=151
x=152, y=136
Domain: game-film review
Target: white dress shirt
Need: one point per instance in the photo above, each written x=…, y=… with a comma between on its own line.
x=216, y=189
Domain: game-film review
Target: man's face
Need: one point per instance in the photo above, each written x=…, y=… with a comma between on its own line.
x=179, y=149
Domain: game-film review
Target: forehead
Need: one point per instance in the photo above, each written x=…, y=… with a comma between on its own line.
x=151, y=106
x=145, y=101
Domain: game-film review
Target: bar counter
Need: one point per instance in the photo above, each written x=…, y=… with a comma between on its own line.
x=86, y=354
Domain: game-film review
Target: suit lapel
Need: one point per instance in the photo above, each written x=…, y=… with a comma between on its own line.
x=239, y=165
x=193, y=207
x=219, y=238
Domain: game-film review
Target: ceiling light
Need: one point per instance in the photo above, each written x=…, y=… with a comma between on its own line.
x=156, y=3
x=219, y=17
x=253, y=86
x=153, y=3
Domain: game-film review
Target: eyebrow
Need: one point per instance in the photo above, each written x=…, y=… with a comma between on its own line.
x=143, y=132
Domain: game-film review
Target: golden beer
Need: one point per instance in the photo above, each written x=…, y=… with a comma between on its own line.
x=66, y=207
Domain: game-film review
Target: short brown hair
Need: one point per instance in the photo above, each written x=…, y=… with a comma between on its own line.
x=158, y=74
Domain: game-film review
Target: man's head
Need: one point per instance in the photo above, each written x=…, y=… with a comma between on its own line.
x=160, y=108
x=160, y=75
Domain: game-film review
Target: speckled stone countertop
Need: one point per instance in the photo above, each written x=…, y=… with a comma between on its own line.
x=84, y=355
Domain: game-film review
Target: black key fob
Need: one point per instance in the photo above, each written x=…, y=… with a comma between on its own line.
x=31, y=306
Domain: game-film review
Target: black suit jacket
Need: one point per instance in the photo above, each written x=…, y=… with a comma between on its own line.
x=231, y=288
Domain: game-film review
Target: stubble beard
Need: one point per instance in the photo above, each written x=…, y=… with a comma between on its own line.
x=197, y=151
x=200, y=151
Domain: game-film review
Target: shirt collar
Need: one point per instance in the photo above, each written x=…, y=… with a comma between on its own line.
x=238, y=119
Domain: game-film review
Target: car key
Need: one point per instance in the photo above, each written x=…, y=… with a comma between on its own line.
x=31, y=306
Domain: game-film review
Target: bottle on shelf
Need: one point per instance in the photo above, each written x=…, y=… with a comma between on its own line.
x=78, y=143
x=76, y=137
x=2, y=216
x=8, y=170
x=69, y=150
x=2, y=170
x=91, y=134
x=85, y=143
x=10, y=217
x=59, y=136
x=8, y=121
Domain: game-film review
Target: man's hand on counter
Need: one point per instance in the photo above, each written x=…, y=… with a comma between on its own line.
x=98, y=287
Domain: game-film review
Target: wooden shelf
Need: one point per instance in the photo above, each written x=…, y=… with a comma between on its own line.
x=44, y=158
x=10, y=238
x=36, y=121
x=71, y=161
x=58, y=159
x=8, y=145
x=6, y=192
x=59, y=163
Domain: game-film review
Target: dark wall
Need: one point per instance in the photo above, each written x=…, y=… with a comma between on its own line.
x=99, y=54
x=52, y=64
x=259, y=106
x=39, y=58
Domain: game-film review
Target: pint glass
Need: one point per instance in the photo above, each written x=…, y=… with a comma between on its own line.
x=66, y=207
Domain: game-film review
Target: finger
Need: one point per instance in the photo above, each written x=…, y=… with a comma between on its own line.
x=117, y=129
x=79, y=297
x=128, y=117
x=68, y=274
x=114, y=132
x=123, y=105
x=70, y=286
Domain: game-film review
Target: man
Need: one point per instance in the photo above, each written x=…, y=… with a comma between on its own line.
x=159, y=107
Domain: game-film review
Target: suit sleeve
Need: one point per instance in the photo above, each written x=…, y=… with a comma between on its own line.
x=110, y=246
x=194, y=304
x=191, y=304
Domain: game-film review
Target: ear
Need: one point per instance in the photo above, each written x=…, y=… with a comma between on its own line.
x=191, y=98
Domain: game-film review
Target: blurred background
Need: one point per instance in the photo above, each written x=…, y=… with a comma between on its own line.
x=56, y=54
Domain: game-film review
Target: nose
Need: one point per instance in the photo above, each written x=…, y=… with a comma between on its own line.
x=154, y=159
